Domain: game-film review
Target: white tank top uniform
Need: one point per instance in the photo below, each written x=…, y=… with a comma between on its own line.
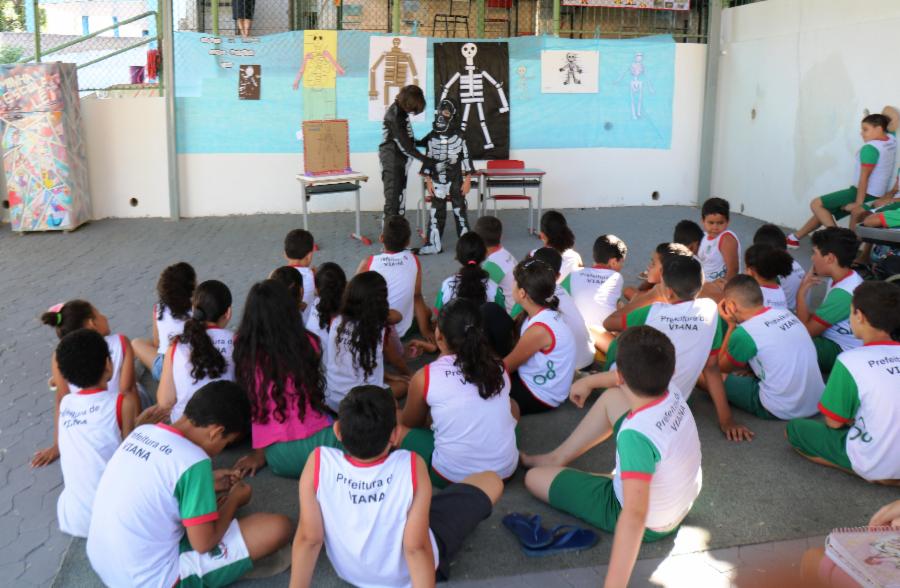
x=774, y=297
x=548, y=373
x=500, y=265
x=116, y=344
x=584, y=341
x=185, y=386
x=399, y=271
x=659, y=443
x=710, y=255
x=883, y=169
x=779, y=350
x=167, y=328
x=471, y=434
x=341, y=371
x=571, y=261
x=596, y=291
x=312, y=323
x=448, y=292
x=90, y=423
x=364, y=510
x=791, y=284
x=309, y=288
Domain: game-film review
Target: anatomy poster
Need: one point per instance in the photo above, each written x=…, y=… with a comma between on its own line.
x=394, y=62
x=248, y=82
x=319, y=65
x=570, y=72
x=476, y=75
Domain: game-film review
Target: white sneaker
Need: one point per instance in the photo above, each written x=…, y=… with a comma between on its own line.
x=429, y=250
x=793, y=242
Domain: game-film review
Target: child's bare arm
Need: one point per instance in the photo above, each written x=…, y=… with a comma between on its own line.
x=363, y=266
x=206, y=536
x=862, y=187
x=416, y=540
x=48, y=455
x=394, y=357
x=532, y=341
x=629, y=532
x=420, y=309
x=165, y=394
x=126, y=376
x=716, y=387
x=310, y=532
x=155, y=329
x=729, y=248
x=415, y=411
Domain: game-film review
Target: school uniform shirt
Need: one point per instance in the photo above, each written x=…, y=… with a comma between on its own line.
x=862, y=394
x=878, y=155
x=471, y=434
x=791, y=284
x=90, y=424
x=781, y=353
x=711, y=258
x=548, y=373
x=185, y=385
x=450, y=285
x=156, y=484
x=364, y=510
x=341, y=371
x=596, y=291
x=694, y=328
x=500, y=265
x=312, y=323
x=659, y=443
x=774, y=296
x=117, y=345
x=584, y=341
x=309, y=288
x=399, y=271
x=571, y=261
x=167, y=328
x=834, y=312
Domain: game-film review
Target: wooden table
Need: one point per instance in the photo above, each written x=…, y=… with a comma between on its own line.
x=530, y=177
x=331, y=184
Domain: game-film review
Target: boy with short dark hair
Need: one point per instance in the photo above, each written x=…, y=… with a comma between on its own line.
x=689, y=234
x=785, y=382
x=720, y=249
x=769, y=234
x=860, y=403
x=499, y=263
x=156, y=520
x=657, y=475
x=834, y=249
x=299, y=247
x=373, y=509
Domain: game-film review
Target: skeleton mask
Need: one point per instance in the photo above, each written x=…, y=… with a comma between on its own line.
x=445, y=119
x=468, y=51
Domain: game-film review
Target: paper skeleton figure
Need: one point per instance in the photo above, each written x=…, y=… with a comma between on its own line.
x=571, y=68
x=637, y=70
x=449, y=177
x=319, y=56
x=396, y=62
x=471, y=91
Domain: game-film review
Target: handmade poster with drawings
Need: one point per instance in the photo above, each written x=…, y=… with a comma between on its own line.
x=570, y=72
x=326, y=147
x=395, y=62
x=476, y=75
x=249, y=82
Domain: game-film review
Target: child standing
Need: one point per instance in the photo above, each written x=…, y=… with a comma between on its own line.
x=770, y=234
x=556, y=234
x=175, y=287
x=833, y=251
x=398, y=148
x=203, y=353
x=373, y=509
x=156, y=520
x=279, y=366
x=767, y=266
x=330, y=285
x=720, y=251
x=471, y=281
x=772, y=342
x=499, y=263
x=299, y=247
x=465, y=392
x=860, y=402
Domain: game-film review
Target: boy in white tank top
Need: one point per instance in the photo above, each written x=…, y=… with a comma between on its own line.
x=299, y=247
x=720, y=250
x=657, y=475
x=860, y=403
x=373, y=509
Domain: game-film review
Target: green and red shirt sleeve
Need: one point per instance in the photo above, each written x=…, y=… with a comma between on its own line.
x=636, y=317
x=868, y=156
x=196, y=494
x=741, y=347
x=835, y=308
x=638, y=455
x=566, y=284
x=495, y=272
x=840, y=400
x=719, y=337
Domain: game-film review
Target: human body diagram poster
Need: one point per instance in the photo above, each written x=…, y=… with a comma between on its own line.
x=318, y=71
x=476, y=75
x=395, y=62
x=570, y=72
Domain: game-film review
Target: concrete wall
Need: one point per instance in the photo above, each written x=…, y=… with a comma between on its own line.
x=795, y=78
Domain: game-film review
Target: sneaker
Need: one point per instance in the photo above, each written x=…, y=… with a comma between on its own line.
x=792, y=241
x=428, y=250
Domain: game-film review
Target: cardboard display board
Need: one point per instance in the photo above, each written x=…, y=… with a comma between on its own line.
x=326, y=147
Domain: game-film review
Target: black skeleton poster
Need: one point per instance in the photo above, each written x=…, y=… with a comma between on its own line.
x=248, y=82
x=476, y=75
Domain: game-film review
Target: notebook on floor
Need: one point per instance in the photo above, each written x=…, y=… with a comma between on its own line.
x=870, y=555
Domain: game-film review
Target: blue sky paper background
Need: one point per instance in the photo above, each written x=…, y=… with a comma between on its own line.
x=211, y=118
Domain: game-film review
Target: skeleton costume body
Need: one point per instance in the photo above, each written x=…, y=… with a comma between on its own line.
x=395, y=153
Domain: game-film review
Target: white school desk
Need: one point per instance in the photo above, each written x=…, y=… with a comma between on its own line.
x=330, y=184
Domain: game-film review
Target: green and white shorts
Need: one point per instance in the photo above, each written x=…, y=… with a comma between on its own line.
x=223, y=565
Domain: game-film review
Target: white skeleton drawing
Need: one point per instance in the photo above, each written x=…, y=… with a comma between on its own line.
x=471, y=91
x=637, y=71
x=571, y=67
x=248, y=73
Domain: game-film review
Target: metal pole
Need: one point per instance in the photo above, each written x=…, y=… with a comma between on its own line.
x=168, y=48
x=395, y=17
x=555, y=18
x=708, y=132
x=215, y=16
x=479, y=19
x=36, y=15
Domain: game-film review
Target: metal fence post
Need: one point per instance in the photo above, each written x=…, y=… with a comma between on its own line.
x=555, y=18
x=479, y=19
x=395, y=16
x=169, y=83
x=36, y=15
x=710, y=98
x=215, y=17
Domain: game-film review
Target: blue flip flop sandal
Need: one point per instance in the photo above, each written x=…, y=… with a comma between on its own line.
x=528, y=530
x=566, y=539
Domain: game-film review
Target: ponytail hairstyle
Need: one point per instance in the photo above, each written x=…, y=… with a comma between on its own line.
x=767, y=261
x=174, y=288
x=471, y=280
x=291, y=279
x=364, y=312
x=460, y=324
x=331, y=281
x=210, y=302
x=539, y=282
x=557, y=232
x=275, y=358
x=68, y=317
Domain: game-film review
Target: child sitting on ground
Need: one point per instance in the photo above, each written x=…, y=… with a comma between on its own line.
x=464, y=394
x=293, y=281
x=471, y=281
x=834, y=249
x=542, y=364
x=785, y=383
x=331, y=281
x=499, y=263
x=770, y=234
x=175, y=287
x=657, y=475
x=299, y=247
x=768, y=266
x=373, y=509
x=156, y=520
x=689, y=234
x=203, y=353
x=596, y=290
x=69, y=317
x=556, y=234
x=720, y=250
x=860, y=403
x=279, y=365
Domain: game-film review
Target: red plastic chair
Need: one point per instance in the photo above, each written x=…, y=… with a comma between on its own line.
x=522, y=183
